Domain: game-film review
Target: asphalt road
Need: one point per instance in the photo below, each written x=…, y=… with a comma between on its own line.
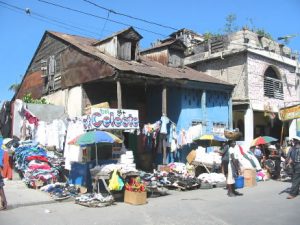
x=262, y=204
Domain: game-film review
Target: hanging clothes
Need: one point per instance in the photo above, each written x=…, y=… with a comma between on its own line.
x=73, y=153
x=7, y=166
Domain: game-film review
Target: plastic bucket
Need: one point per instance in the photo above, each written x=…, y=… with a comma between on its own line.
x=239, y=182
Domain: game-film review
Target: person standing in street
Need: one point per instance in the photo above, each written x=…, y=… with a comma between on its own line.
x=233, y=169
x=294, y=160
x=3, y=202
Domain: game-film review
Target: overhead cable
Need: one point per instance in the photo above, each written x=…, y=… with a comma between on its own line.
x=40, y=17
x=99, y=17
x=129, y=16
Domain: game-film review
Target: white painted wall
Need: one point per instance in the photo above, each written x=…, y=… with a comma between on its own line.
x=256, y=68
x=71, y=99
x=109, y=47
x=74, y=102
x=249, y=122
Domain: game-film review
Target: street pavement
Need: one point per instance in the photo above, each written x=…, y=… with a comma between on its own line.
x=262, y=204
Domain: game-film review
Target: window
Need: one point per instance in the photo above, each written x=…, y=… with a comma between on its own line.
x=273, y=87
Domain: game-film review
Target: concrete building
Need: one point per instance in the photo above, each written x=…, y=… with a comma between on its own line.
x=265, y=74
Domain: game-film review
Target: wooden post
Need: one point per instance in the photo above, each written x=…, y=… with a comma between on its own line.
x=119, y=94
x=164, y=100
x=281, y=135
x=164, y=111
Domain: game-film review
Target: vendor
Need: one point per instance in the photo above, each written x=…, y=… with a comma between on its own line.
x=272, y=163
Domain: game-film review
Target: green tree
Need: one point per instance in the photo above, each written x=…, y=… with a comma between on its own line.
x=230, y=25
x=14, y=87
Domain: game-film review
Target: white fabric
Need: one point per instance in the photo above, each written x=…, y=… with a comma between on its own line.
x=235, y=151
x=164, y=121
x=73, y=153
x=230, y=179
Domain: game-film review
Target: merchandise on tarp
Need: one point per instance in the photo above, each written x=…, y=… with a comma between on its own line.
x=32, y=162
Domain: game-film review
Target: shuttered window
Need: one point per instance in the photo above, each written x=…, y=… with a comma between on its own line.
x=273, y=87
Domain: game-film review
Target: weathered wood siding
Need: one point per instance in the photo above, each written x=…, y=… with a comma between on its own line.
x=176, y=58
x=79, y=68
x=160, y=56
x=109, y=47
x=48, y=61
x=32, y=83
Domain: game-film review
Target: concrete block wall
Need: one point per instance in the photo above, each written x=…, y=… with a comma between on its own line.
x=256, y=68
x=231, y=69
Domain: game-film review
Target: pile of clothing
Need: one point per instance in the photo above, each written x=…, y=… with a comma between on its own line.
x=32, y=162
x=61, y=191
x=95, y=200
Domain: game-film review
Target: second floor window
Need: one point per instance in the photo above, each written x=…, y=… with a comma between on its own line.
x=273, y=87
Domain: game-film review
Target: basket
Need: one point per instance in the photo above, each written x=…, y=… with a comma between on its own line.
x=232, y=134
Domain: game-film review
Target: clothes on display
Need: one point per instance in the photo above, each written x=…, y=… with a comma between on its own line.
x=32, y=162
x=73, y=153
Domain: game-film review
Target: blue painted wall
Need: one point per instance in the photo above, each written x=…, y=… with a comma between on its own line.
x=184, y=106
x=217, y=109
x=189, y=102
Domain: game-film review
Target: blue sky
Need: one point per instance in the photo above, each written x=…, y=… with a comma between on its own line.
x=21, y=32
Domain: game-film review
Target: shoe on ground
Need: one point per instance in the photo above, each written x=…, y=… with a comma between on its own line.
x=291, y=197
x=230, y=194
x=238, y=193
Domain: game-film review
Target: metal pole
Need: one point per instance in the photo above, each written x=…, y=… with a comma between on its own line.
x=96, y=154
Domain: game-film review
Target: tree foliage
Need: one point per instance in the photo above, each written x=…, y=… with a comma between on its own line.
x=28, y=99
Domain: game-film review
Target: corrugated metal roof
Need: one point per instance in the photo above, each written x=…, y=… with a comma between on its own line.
x=144, y=66
x=127, y=30
x=166, y=43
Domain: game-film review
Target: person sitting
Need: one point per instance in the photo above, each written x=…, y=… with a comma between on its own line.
x=273, y=162
x=258, y=153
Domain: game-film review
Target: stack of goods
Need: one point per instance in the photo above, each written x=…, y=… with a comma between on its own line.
x=178, y=177
x=127, y=162
x=32, y=161
x=215, y=179
x=61, y=191
x=94, y=200
x=209, y=159
x=183, y=182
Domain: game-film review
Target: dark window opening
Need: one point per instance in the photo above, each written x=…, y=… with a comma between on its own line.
x=273, y=87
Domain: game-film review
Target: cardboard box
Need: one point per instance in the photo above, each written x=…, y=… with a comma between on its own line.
x=249, y=177
x=163, y=168
x=191, y=156
x=135, y=198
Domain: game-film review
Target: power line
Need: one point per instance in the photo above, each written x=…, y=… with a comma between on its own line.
x=99, y=17
x=129, y=16
x=45, y=19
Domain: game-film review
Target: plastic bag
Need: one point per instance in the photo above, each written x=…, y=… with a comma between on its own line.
x=115, y=183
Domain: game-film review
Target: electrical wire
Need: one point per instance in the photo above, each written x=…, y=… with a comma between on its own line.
x=99, y=17
x=46, y=19
x=129, y=16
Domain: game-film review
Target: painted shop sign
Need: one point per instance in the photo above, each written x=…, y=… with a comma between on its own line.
x=111, y=119
x=289, y=113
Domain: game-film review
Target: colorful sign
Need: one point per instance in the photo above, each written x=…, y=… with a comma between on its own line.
x=111, y=119
x=289, y=113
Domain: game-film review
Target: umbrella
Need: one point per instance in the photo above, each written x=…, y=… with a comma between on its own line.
x=210, y=140
x=94, y=137
x=261, y=140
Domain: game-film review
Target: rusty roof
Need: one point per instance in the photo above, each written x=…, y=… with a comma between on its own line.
x=144, y=66
x=136, y=36
x=165, y=43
